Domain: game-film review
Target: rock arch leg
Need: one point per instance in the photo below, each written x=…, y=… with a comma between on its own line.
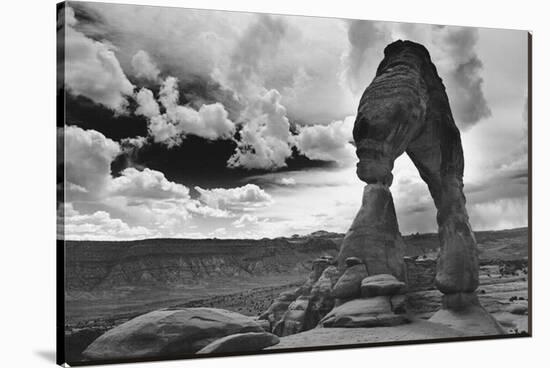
x=440, y=162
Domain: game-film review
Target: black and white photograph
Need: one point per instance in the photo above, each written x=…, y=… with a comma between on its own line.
x=237, y=183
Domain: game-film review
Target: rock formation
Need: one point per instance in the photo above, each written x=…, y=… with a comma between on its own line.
x=406, y=109
x=241, y=343
x=169, y=332
x=381, y=303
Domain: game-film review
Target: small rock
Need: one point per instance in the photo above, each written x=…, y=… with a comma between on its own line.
x=243, y=342
x=520, y=307
x=287, y=296
x=399, y=304
x=382, y=284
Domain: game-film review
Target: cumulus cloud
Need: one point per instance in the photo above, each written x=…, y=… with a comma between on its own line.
x=265, y=141
x=248, y=221
x=98, y=226
x=146, y=184
x=249, y=196
x=328, y=142
x=258, y=42
x=88, y=157
x=147, y=105
x=141, y=199
x=144, y=67
x=92, y=69
x=210, y=121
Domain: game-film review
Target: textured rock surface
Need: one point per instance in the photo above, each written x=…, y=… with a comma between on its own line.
x=349, y=284
x=298, y=317
x=244, y=342
x=472, y=321
x=352, y=261
x=381, y=284
x=318, y=337
x=321, y=293
x=520, y=307
x=169, y=332
x=367, y=312
x=374, y=235
x=406, y=109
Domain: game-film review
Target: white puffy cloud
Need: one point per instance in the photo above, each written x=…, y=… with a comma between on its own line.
x=247, y=197
x=328, y=142
x=147, y=183
x=147, y=105
x=210, y=121
x=88, y=157
x=144, y=67
x=98, y=226
x=92, y=69
x=265, y=141
x=248, y=221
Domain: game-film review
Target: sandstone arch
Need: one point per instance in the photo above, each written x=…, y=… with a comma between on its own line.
x=406, y=109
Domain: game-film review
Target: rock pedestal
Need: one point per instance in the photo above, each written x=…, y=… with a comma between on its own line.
x=382, y=304
x=374, y=236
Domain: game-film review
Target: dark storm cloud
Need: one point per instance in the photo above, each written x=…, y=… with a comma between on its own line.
x=85, y=113
x=467, y=97
x=261, y=39
x=362, y=35
x=471, y=103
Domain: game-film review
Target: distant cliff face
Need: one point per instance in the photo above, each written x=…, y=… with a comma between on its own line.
x=171, y=262
x=101, y=265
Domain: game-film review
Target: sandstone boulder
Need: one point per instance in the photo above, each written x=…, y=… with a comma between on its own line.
x=243, y=342
x=349, y=284
x=287, y=296
x=169, y=332
x=382, y=284
x=321, y=293
x=317, y=269
x=297, y=318
x=275, y=311
x=368, y=312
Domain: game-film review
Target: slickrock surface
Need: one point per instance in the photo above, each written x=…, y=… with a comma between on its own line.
x=417, y=330
x=169, y=332
x=245, y=342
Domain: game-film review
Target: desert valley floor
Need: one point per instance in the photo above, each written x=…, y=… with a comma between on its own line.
x=108, y=283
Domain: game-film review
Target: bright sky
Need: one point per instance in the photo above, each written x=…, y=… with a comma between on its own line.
x=270, y=88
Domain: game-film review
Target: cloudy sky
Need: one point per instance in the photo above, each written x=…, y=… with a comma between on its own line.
x=191, y=123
